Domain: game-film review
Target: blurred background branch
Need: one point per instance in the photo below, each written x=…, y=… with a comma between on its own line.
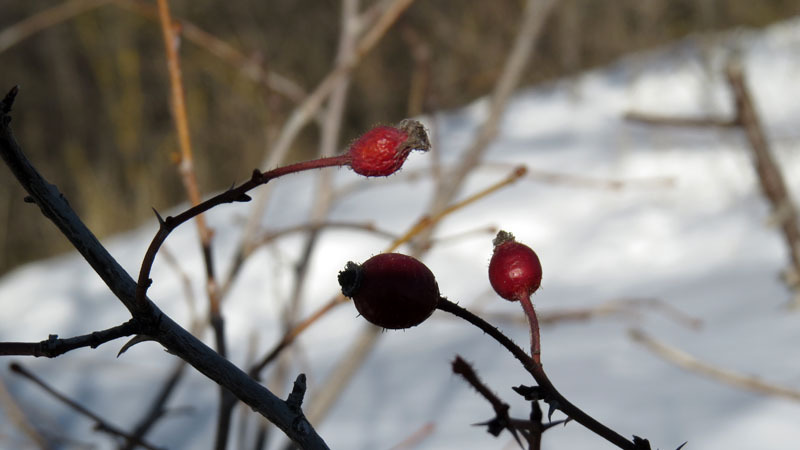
x=93, y=72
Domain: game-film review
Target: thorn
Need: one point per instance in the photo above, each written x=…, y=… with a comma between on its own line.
x=133, y=341
x=257, y=174
x=28, y=199
x=8, y=100
x=243, y=198
x=681, y=446
x=160, y=219
x=551, y=410
x=530, y=393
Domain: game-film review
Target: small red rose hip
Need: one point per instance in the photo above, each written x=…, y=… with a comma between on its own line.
x=391, y=290
x=515, y=270
x=382, y=150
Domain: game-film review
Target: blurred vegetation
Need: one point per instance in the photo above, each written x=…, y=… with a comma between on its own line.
x=93, y=113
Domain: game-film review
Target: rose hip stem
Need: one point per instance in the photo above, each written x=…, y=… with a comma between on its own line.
x=533, y=321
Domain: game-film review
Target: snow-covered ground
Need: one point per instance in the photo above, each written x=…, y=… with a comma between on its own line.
x=701, y=245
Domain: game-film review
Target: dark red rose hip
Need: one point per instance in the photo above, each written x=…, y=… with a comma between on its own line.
x=391, y=290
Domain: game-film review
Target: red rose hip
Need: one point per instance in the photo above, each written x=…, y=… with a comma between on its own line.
x=382, y=150
x=514, y=270
x=391, y=290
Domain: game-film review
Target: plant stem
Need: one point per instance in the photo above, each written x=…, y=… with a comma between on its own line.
x=533, y=321
x=235, y=194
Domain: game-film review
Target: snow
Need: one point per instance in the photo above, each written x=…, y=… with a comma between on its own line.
x=701, y=245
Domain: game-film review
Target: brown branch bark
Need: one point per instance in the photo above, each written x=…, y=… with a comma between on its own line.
x=769, y=174
x=688, y=362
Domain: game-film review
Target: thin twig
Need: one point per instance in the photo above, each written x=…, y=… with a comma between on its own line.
x=623, y=306
x=769, y=174
x=773, y=185
x=503, y=421
x=189, y=178
x=14, y=34
x=20, y=420
x=53, y=346
x=551, y=393
x=415, y=438
x=156, y=410
x=248, y=66
x=683, y=122
x=311, y=105
x=688, y=362
x=534, y=16
x=232, y=195
x=100, y=424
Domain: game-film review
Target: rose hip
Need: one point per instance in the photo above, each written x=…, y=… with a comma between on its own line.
x=391, y=290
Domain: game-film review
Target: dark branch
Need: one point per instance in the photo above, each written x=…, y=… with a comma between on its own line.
x=54, y=346
x=100, y=423
x=551, y=394
x=502, y=420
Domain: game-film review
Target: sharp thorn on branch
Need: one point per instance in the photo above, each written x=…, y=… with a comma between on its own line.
x=8, y=100
x=160, y=219
x=133, y=341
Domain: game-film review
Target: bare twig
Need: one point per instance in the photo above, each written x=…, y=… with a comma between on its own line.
x=53, y=346
x=534, y=16
x=156, y=410
x=101, y=424
x=784, y=211
x=189, y=178
x=769, y=174
x=413, y=440
x=612, y=307
x=227, y=53
x=688, y=362
x=17, y=417
x=503, y=421
x=699, y=122
x=310, y=106
x=44, y=19
x=551, y=393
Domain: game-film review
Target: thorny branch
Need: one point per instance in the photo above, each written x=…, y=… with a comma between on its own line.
x=152, y=321
x=54, y=346
x=551, y=394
